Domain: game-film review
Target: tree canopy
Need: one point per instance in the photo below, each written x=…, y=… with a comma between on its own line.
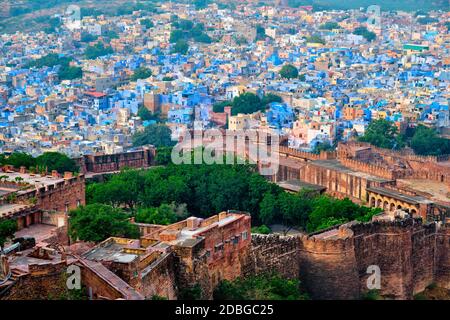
x=362, y=31
x=288, y=71
x=315, y=39
x=97, y=50
x=7, y=229
x=246, y=103
x=146, y=114
x=181, y=47
x=48, y=160
x=269, y=286
x=141, y=73
x=97, y=222
x=425, y=141
x=381, y=133
x=164, y=214
x=56, y=161
x=209, y=189
x=158, y=135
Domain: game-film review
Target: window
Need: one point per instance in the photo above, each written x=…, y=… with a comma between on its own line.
x=218, y=247
x=244, y=235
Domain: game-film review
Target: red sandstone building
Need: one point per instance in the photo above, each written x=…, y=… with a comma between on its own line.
x=163, y=262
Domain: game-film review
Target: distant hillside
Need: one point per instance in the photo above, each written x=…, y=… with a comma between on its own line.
x=386, y=5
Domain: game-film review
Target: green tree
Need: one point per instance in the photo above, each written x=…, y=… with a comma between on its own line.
x=324, y=146
x=263, y=229
x=97, y=222
x=294, y=209
x=269, y=98
x=141, y=73
x=288, y=71
x=425, y=141
x=191, y=293
x=269, y=286
x=147, y=23
x=220, y=106
x=381, y=133
x=147, y=115
x=260, y=32
x=185, y=24
x=368, y=35
x=67, y=72
x=49, y=60
x=7, y=229
x=315, y=39
x=121, y=190
x=87, y=37
x=203, y=38
x=19, y=159
x=97, y=50
x=181, y=47
x=163, y=156
x=158, y=135
x=269, y=210
x=176, y=35
x=329, y=25
x=246, y=103
x=56, y=161
x=163, y=215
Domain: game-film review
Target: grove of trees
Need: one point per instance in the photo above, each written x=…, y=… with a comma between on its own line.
x=205, y=190
x=288, y=71
x=270, y=286
x=423, y=140
x=97, y=50
x=141, y=73
x=247, y=103
x=158, y=135
x=97, y=222
x=47, y=161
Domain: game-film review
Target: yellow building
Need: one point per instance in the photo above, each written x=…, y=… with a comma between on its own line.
x=239, y=122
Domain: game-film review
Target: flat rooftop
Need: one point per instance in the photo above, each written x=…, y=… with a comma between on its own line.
x=400, y=196
x=296, y=185
x=32, y=179
x=38, y=231
x=337, y=166
x=111, y=250
x=438, y=191
x=190, y=237
x=11, y=207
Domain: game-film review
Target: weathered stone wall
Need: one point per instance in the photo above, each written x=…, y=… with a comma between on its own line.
x=159, y=278
x=220, y=255
x=328, y=268
x=442, y=257
x=41, y=283
x=410, y=255
x=339, y=183
x=141, y=158
x=274, y=253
